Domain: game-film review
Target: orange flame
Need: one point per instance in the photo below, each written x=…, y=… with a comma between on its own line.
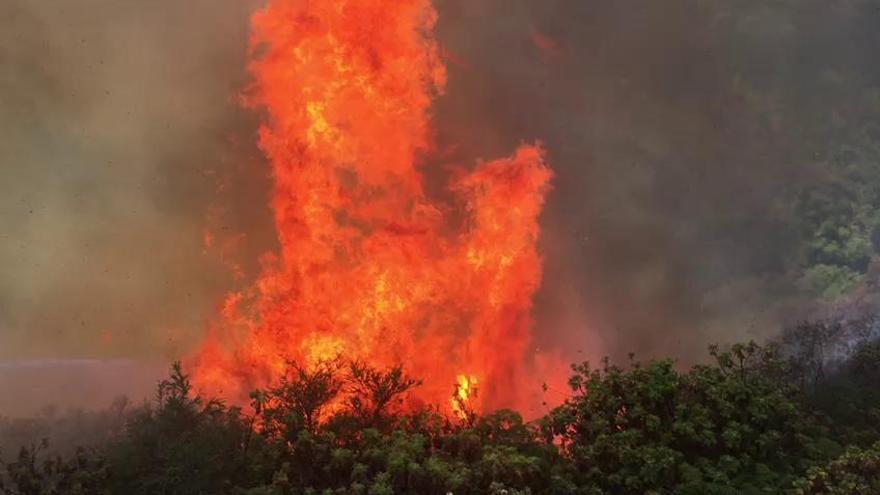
x=465, y=393
x=371, y=267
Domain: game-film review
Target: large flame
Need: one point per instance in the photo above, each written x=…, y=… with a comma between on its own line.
x=370, y=266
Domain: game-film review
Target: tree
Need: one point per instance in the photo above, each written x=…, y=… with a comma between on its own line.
x=301, y=399
x=373, y=393
x=34, y=473
x=741, y=424
x=183, y=444
x=856, y=472
x=733, y=427
x=809, y=347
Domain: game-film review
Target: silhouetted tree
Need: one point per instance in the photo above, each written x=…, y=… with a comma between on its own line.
x=373, y=394
x=300, y=400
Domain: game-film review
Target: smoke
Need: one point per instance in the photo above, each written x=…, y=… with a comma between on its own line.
x=121, y=141
x=116, y=137
x=674, y=130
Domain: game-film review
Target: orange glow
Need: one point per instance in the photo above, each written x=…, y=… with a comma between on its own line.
x=465, y=394
x=370, y=267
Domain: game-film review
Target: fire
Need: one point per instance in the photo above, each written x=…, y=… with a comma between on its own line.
x=370, y=266
x=465, y=393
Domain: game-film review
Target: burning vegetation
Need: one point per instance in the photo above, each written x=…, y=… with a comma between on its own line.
x=755, y=419
x=386, y=346
x=372, y=267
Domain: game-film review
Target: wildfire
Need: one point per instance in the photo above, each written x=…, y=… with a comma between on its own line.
x=465, y=392
x=370, y=267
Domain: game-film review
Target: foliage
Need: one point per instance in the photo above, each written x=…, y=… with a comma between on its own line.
x=850, y=397
x=299, y=401
x=820, y=112
x=733, y=427
x=836, y=365
x=84, y=473
x=856, y=472
x=367, y=445
x=183, y=444
x=751, y=421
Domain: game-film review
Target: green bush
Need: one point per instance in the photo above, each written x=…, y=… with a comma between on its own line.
x=743, y=424
x=856, y=472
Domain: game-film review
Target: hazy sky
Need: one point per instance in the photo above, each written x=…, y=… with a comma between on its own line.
x=118, y=120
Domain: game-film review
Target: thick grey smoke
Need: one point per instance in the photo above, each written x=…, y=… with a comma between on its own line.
x=121, y=141
x=674, y=129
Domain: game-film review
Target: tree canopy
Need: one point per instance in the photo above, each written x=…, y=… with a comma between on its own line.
x=747, y=422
